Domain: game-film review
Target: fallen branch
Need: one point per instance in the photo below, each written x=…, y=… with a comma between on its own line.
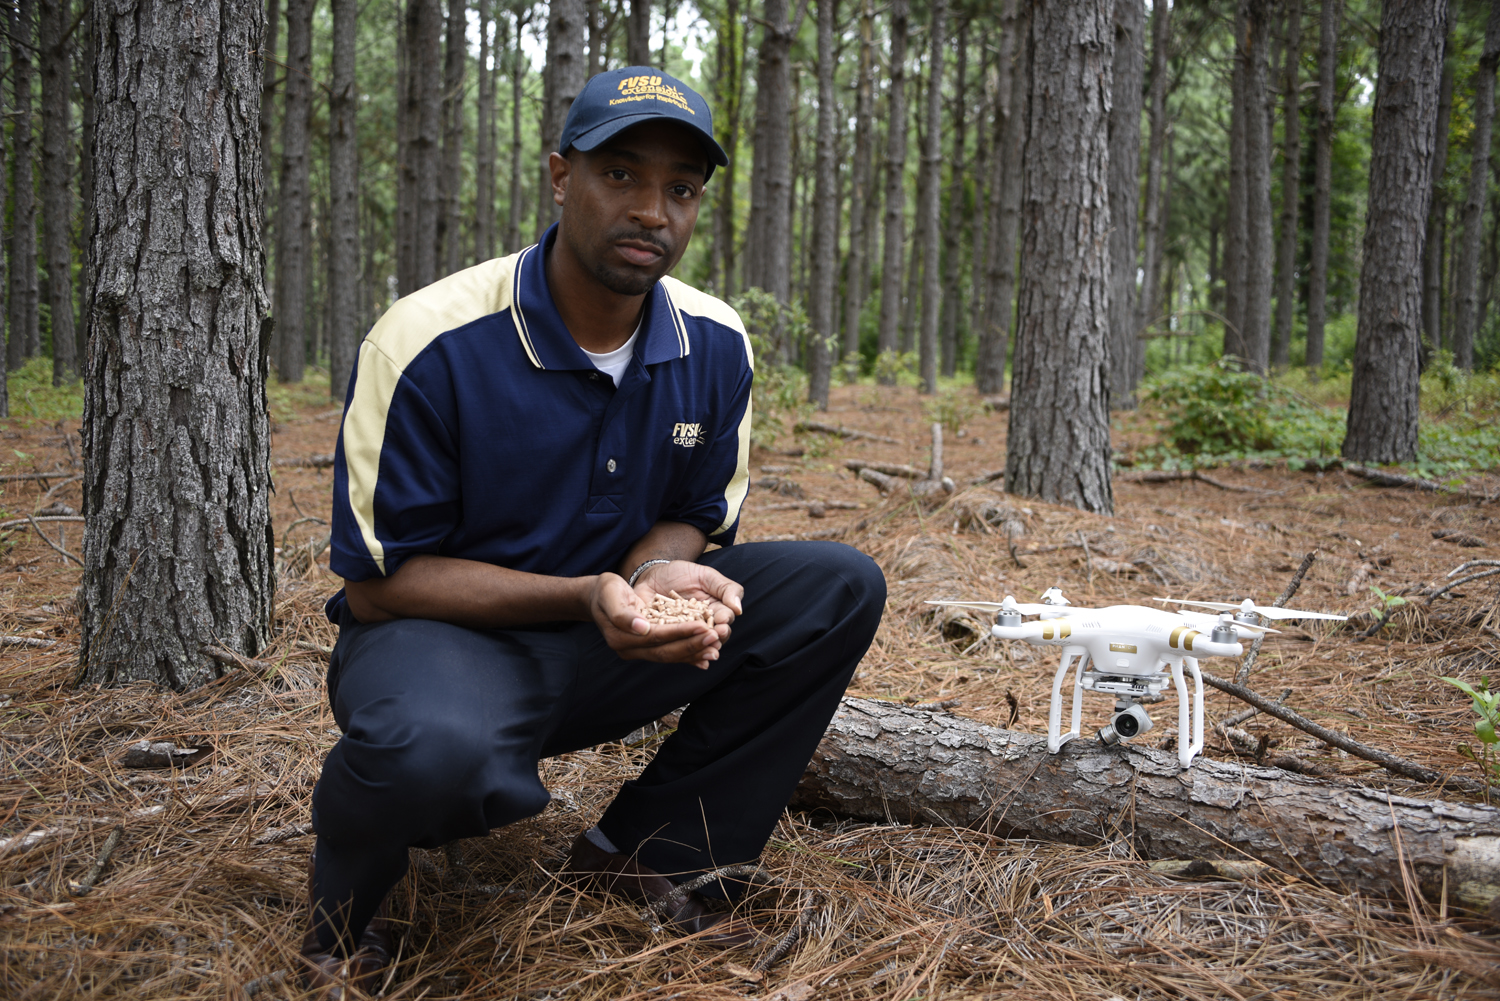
x=1287, y=593
x=49, y=541
x=990, y=477
x=886, y=762
x=886, y=468
x=1464, y=580
x=841, y=431
x=44, y=477
x=322, y=461
x=84, y=885
x=280, y=834
x=1391, y=763
x=1385, y=478
x=26, y=641
x=1175, y=475
x=880, y=481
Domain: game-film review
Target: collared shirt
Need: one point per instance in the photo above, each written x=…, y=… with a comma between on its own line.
x=476, y=427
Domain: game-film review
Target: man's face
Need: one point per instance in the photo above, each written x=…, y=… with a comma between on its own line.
x=629, y=206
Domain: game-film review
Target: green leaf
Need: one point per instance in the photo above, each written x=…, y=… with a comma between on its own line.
x=1485, y=731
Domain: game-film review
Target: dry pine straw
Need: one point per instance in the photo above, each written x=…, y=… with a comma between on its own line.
x=204, y=894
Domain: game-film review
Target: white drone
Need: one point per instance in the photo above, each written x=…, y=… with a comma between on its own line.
x=1127, y=650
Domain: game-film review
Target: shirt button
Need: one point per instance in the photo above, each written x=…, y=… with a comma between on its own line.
x=610, y=465
x=594, y=376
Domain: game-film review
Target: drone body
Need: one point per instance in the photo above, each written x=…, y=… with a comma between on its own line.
x=1132, y=653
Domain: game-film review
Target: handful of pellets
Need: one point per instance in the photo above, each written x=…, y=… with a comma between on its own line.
x=667, y=611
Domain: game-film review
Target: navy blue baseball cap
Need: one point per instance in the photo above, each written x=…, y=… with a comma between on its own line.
x=615, y=100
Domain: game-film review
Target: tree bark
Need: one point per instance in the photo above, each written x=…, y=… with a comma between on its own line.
x=1437, y=212
x=1235, y=234
x=294, y=202
x=344, y=330
x=862, y=176
x=929, y=210
x=84, y=75
x=883, y=762
x=57, y=201
x=953, y=230
x=406, y=157
x=564, y=78
x=1383, y=397
x=1317, y=277
x=1058, y=447
x=825, y=255
x=895, y=183
x=1291, y=171
x=25, y=335
x=517, y=88
x=729, y=82
x=1126, y=357
x=638, y=33
x=178, y=545
x=1005, y=211
x=1467, y=315
x=770, y=239
x=270, y=59
x=450, y=178
x=425, y=45
x=484, y=140
x=1150, y=305
x=1254, y=346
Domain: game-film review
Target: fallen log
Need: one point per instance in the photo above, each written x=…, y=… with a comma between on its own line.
x=883, y=761
x=840, y=431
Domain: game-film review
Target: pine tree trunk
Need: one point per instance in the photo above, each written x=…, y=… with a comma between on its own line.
x=57, y=201
x=821, y=297
x=1291, y=163
x=24, y=334
x=84, y=75
x=1150, y=306
x=1058, y=446
x=450, y=178
x=4, y=200
x=929, y=209
x=1255, y=338
x=426, y=53
x=1383, y=397
x=1124, y=197
x=178, y=545
x=771, y=183
x=294, y=198
x=986, y=125
x=862, y=176
x=1467, y=314
x=344, y=330
x=484, y=140
x=517, y=91
x=406, y=157
x=270, y=60
x=1235, y=257
x=1437, y=213
x=1006, y=181
x=895, y=183
x=564, y=79
x=1317, y=277
x=954, y=227
x=730, y=87
x=638, y=33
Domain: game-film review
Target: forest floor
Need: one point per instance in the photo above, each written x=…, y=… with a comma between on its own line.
x=201, y=894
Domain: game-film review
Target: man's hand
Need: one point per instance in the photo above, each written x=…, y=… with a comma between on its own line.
x=617, y=610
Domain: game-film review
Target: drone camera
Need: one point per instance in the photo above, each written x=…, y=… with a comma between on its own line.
x=1130, y=721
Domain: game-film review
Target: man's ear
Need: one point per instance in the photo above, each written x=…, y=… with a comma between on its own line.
x=560, y=167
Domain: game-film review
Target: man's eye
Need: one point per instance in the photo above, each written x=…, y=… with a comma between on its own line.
x=617, y=175
x=684, y=191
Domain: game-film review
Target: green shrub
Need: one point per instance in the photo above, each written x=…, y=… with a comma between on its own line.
x=32, y=394
x=780, y=388
x=1213, y=409
x=952, y=407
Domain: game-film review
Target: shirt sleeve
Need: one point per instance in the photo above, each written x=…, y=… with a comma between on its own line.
x=713, y=499
x=395, y=473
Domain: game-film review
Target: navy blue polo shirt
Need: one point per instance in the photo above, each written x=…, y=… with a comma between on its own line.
x=475, y=427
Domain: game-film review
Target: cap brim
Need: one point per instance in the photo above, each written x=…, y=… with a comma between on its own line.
x=601, y=134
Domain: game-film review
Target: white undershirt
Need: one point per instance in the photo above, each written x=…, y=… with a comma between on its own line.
x=613, y=363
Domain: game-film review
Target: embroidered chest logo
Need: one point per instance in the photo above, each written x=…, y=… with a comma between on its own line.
x=688, y=435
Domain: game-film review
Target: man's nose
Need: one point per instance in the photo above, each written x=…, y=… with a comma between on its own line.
x=649, y=209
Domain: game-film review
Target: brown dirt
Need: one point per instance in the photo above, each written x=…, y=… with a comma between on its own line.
x=203, y=895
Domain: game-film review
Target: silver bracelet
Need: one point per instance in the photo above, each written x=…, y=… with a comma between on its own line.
x=643, y=568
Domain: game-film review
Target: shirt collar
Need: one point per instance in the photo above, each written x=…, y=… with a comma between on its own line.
x=545, y=337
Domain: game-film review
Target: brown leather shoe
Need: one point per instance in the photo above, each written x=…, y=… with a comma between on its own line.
x=687, y=913
x=332, y=976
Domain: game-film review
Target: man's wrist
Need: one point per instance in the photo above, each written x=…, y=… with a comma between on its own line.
x=637, y=573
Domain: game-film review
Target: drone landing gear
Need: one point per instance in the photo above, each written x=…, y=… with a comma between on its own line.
x=1130, y=718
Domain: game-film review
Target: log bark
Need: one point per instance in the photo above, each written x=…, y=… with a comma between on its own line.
x=1467, y=316
x=178, y=548
x=1126, y=351
x=887, y=762
x=1058, y=445
x=895, y=182
x=1382, y=423
x=1317, y=277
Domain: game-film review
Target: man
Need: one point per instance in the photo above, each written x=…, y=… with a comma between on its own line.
x=532, y=450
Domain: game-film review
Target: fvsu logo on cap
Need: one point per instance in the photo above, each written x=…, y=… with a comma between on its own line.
x=688, y=435
x=646, y=88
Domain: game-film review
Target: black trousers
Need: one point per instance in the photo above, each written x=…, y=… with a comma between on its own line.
x=443, y=726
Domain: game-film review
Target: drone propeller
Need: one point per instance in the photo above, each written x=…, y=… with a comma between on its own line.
x=1269, y=611
x=1010, y=604
x=1208, y=621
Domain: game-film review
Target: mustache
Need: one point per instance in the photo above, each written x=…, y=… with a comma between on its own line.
x=640, y=236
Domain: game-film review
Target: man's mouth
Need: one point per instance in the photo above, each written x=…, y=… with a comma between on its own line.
x=640, y=252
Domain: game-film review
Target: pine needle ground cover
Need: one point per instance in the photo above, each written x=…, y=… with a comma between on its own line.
x=200, y=893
